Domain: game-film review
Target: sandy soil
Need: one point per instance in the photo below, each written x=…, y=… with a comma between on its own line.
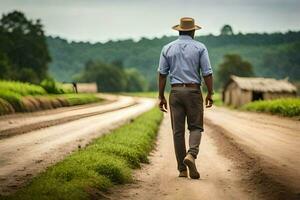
x=272, y=140
x=242, y=156
x=25, y=155
x=21, y=123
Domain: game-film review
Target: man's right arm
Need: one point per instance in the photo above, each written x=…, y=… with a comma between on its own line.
x=162, y=79
x=163, y=71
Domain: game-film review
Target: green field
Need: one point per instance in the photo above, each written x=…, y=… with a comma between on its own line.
x=287, y=107
x=141, y=94
x=108, y=160
x=25, y=97
x=217, y=97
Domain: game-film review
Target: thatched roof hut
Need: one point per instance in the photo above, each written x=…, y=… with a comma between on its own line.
x=242, y=90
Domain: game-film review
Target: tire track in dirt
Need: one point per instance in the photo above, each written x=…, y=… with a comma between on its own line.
x=229, y=170
x=28, y=122
x=24, y=156
x=253, y=173
x=35, y=126
x=220, y=177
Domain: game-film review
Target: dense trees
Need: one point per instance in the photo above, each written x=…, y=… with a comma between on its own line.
x=226, y=30
x=69, y=58
x=233, y=65
x=113, y=77
x=284, y=63
x=23, y=49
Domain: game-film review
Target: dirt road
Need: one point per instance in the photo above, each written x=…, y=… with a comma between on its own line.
x=242, y=156
x=25, y=155
x=25, y=122
x=272, y=140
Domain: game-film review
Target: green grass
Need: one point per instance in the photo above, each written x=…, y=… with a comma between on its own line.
x=217, y=97
x=26, y=97
x=78, y=99
x=108, y=160
x=5, y=107
x=141, y=94
x=14, y=99
x=21, y=88
x=287, y=107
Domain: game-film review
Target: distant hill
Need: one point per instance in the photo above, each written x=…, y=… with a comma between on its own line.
x=272, y=55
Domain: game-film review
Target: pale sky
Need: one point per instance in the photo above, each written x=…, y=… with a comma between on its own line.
x=99, y=20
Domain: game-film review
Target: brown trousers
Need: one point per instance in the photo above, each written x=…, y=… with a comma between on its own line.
x=186, y=103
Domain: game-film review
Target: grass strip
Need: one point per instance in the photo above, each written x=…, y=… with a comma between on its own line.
x=217, y=97
x=289, y=107
x=21, y=88
x=141, y=94
x=41, y=102
x=78, y=99
x=108, y=160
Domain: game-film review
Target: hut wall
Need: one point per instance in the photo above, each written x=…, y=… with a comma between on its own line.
x=228, y=94
x=246, y=97
x=235, y=96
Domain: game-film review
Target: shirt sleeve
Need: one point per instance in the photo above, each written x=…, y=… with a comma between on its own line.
x=163, y=67
x=205, y=63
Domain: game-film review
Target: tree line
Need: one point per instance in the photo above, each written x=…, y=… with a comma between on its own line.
x=26, y=54
x=112, y=77
x=258, y=49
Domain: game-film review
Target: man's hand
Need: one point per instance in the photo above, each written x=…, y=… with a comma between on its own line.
x=163, y=105
x=208, y=100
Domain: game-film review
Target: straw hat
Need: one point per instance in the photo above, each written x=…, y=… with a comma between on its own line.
x=186, y=24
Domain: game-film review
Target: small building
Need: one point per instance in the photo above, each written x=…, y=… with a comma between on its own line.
x=82, y=87
x=87, y=87
x=241, y=90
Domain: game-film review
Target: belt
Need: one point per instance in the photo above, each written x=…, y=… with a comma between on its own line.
x=192, y=85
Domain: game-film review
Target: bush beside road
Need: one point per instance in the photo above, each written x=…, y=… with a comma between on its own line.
x=289, y=107
x=25, y=97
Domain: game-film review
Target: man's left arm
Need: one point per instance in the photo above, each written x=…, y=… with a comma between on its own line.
x=207, y=72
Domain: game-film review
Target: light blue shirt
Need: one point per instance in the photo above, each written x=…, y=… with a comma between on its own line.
x=183, y=59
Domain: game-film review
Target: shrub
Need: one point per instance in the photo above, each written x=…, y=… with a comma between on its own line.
x=286, y=106
x=22, y=89
x=78, y=99
x=13, y=98
x=53, y=87
x=5, y=107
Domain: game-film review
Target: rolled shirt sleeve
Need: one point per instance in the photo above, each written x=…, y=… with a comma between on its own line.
x=205, y=65
x=163, y=67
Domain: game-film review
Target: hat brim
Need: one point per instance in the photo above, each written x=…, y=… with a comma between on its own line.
x=179, y=28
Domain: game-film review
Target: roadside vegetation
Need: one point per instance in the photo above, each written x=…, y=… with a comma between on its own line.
x=26, y=97
x=289, y=107
x=217, y=96
x=108, y=160
x=142, y=94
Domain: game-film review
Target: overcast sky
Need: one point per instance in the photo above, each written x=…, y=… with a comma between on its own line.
x=99, y=20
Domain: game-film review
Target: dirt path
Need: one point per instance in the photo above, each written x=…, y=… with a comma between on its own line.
x=273, y=140
x=158, y=180
x=21, y=123
x=230, y=167
x=23, y=156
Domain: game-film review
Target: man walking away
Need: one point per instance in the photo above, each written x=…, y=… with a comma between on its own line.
x=183, y=60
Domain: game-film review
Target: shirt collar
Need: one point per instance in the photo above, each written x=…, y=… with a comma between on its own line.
x=185, y=37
